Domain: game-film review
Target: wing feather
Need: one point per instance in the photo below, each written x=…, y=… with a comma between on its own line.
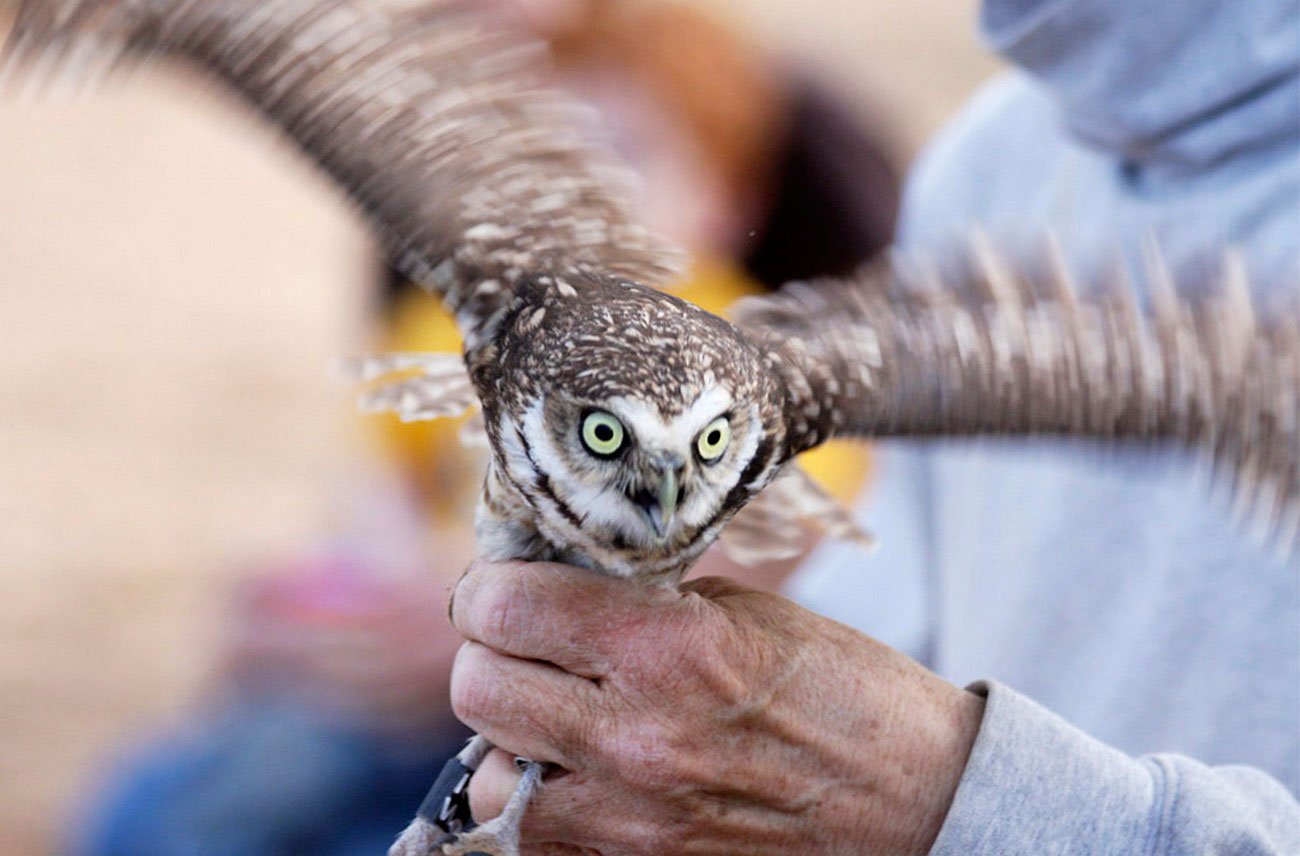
x=877, y=356
x=433, y=118
x=439, y=388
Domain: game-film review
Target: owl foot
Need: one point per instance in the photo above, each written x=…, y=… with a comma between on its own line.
x=500, y=836
x=421, y=838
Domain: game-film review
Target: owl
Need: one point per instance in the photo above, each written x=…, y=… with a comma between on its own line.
x=628, y=430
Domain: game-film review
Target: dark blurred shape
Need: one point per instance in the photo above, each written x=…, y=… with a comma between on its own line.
x=835, y=195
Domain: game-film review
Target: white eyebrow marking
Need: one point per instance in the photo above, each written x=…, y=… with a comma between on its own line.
x=653, y=431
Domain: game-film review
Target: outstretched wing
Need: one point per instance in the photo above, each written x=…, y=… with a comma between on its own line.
x=434, y=119
x=877, y=356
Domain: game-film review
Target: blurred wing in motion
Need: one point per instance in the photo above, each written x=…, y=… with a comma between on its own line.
x=433, y=118
x=440, y=388
x=884, y=355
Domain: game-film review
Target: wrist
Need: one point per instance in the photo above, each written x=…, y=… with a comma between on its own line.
x=913, y=761
x=942, y=757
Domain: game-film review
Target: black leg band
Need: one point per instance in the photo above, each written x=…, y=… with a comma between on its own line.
x=447, y=804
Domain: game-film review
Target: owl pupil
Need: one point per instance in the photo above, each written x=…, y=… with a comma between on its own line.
x=604, y=433
x=714, y=436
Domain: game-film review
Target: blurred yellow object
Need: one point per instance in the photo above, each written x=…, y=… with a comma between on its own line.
x=430, y=453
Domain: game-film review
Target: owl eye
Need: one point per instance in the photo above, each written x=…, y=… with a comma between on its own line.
x=713, y=440
x=602, y=433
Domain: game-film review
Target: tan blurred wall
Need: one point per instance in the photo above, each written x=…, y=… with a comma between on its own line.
x=172, y=290
x=913, y=62
x=173, y=287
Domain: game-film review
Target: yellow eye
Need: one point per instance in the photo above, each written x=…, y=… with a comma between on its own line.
x=713, y=440
x=602, y=434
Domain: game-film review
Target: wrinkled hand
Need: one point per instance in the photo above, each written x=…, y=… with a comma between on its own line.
x=715, y=719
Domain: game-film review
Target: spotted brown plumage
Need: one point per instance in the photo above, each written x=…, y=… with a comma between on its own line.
x=479, y=186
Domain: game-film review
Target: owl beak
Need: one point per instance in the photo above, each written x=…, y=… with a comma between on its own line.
x=661, y=516
x=658, y=499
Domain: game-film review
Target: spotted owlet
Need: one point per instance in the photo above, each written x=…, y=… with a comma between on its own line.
x=626, y=426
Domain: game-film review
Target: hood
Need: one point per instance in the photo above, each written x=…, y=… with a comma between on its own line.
x=1186, y=83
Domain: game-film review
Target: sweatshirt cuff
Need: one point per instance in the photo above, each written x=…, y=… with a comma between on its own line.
x=1036, y=784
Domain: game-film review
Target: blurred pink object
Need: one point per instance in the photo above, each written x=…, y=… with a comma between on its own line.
x=346, y=639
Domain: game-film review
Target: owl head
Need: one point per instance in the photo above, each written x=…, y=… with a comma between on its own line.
x=633, y=424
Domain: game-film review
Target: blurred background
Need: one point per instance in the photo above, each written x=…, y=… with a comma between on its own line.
x=174, y=287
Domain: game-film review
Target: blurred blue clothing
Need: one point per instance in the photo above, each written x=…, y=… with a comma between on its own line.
x=263, y=776
x=1111, y=588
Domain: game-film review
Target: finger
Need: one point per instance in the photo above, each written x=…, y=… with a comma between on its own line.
x=564, y=615
x=555, y=813
x=494, y=781
x=532, y=709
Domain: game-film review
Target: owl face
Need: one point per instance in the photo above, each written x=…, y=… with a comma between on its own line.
x=628, y=478
x=636, y=426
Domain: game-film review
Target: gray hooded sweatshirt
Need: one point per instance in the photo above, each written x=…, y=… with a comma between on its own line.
x=1140, y=655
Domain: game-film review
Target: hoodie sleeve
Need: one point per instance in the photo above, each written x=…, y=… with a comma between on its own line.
x=1121, y=122
x=1035, y=784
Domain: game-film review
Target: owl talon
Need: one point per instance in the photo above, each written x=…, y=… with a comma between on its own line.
x=483, y=840
x=421, y=838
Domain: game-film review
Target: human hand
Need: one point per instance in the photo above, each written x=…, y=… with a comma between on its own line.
x=715, y=719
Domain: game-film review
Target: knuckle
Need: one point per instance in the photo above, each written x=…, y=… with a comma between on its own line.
x=495, y=611
x=460, y=592
x=503, y=613
x=484, y=598
x=472, y=690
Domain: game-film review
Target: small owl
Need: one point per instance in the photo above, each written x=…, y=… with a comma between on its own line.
x=626, y=426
